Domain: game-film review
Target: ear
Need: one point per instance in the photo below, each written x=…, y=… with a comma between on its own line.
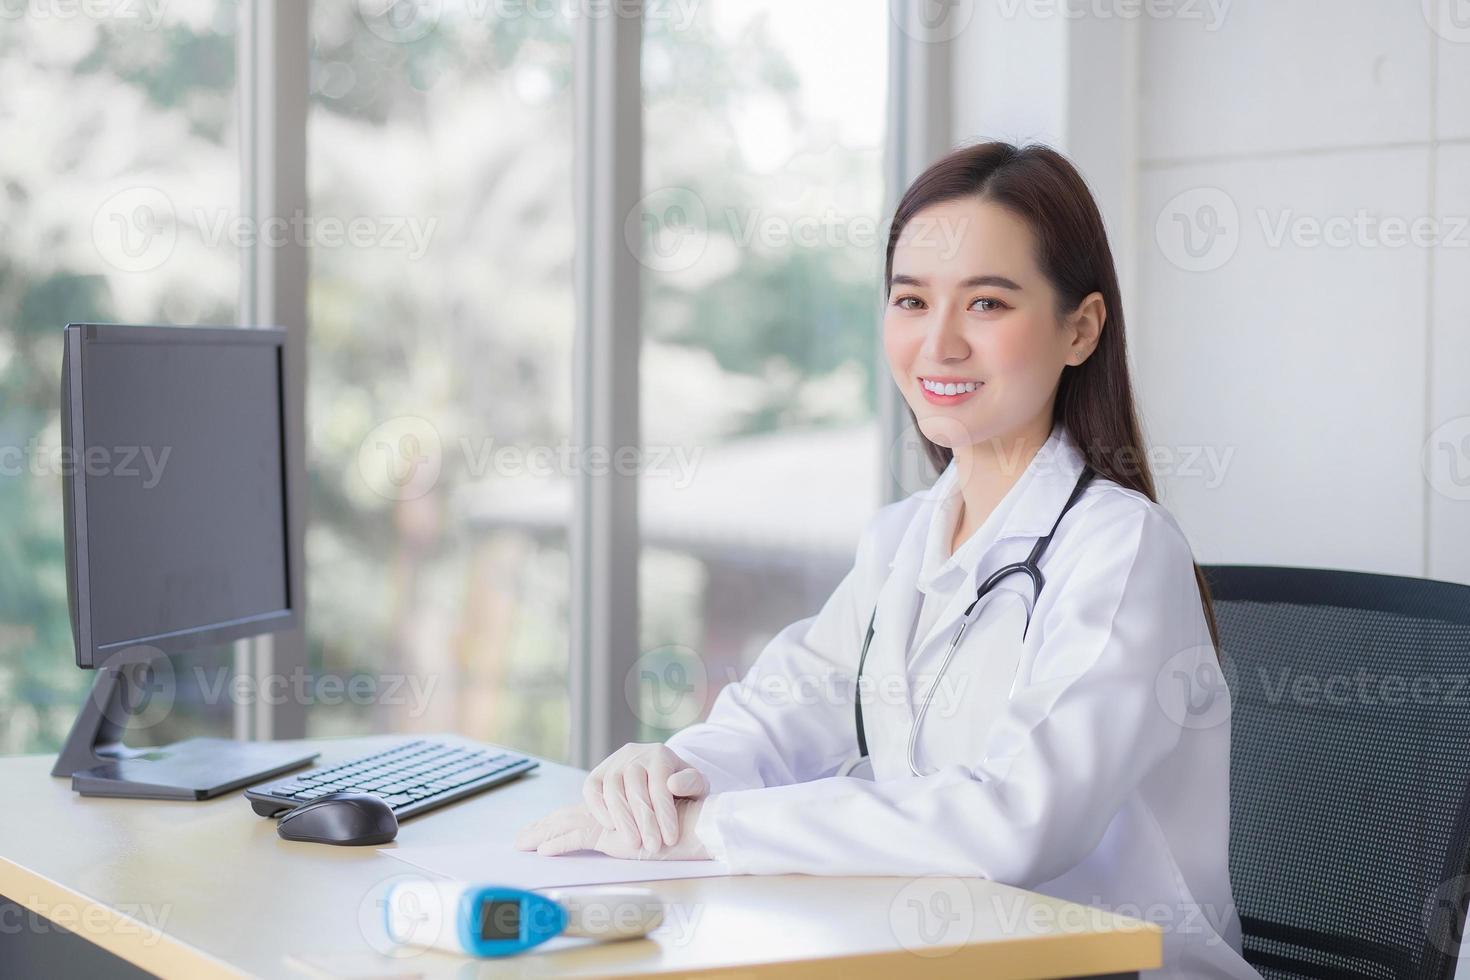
x=1084, y=327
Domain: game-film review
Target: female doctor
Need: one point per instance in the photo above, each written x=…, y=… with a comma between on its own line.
x=1026, y=638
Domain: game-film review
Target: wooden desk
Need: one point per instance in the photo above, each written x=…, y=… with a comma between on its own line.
x=197, y=890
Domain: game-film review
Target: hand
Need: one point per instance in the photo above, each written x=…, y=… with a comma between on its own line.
x=634, y=791
x=574, y=828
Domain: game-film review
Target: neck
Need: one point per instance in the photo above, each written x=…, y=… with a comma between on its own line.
x=990, y=468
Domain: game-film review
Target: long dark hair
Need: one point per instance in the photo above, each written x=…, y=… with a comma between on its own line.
x=1095, y=398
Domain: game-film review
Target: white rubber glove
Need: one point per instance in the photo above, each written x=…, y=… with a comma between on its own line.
x=634, y=791
x=574, y=828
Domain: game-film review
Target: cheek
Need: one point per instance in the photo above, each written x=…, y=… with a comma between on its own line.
x=1021, y=347
x=901, y=346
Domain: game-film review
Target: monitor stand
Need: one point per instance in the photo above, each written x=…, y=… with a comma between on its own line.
x=99, y=764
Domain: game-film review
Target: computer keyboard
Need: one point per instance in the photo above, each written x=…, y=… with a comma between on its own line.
x=411, y=778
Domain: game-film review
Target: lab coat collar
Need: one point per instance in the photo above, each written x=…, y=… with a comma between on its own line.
x=896, y=613
x=1030, y=507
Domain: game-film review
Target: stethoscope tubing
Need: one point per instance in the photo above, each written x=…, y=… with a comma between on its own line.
x=1031, y=568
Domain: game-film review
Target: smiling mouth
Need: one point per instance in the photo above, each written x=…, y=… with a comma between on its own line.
x=949, y=389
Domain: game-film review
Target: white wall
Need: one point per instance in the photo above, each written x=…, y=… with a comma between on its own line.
x=1311, y=369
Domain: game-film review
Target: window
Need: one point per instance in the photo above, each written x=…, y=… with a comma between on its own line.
x=440, y=243
x=439, y=400
x=120, y=187
x=763, y=183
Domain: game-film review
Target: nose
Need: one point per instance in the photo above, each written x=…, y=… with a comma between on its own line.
x=944, y=342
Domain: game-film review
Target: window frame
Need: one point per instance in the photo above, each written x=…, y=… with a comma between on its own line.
x=273, y=89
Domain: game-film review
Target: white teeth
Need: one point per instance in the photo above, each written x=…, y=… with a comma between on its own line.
x=950, y=388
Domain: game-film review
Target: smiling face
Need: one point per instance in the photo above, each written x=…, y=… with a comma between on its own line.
x=971, y=328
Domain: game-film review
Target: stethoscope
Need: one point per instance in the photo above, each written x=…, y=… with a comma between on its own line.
x=1030, y=568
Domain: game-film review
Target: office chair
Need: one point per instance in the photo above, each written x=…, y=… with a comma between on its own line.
x=1349, y=769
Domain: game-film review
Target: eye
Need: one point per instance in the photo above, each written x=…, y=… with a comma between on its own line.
x=908, y=303
x=998, y=305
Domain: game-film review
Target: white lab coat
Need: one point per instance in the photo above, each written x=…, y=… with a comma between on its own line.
x=1073, y=763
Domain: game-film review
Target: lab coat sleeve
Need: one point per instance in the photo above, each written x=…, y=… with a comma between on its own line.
x=1087, y=726
x=790, y=718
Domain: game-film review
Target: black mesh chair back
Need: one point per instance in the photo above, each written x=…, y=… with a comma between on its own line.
x=1349, y=769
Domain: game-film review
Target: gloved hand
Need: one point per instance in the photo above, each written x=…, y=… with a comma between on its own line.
x=574, y=828
x=634, y=791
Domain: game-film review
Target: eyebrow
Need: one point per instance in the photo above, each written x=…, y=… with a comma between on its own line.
x=970, y=283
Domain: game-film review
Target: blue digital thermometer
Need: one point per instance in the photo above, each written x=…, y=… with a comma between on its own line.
x=490, y=920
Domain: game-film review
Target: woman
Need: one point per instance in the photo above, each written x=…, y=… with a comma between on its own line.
x=1043, y=736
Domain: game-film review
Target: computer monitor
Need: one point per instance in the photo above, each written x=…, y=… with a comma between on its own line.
x=180, y=493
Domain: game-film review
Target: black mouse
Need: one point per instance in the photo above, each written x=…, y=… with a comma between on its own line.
x=340, y=818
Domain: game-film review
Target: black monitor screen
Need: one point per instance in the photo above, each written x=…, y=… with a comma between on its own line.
x=185, y=519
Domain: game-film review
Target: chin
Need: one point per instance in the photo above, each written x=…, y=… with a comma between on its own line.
x=949, y=431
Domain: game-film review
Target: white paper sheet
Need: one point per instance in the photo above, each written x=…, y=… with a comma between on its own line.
x=498, y=863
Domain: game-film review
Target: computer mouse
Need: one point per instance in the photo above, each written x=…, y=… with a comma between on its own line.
x=340, y=818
